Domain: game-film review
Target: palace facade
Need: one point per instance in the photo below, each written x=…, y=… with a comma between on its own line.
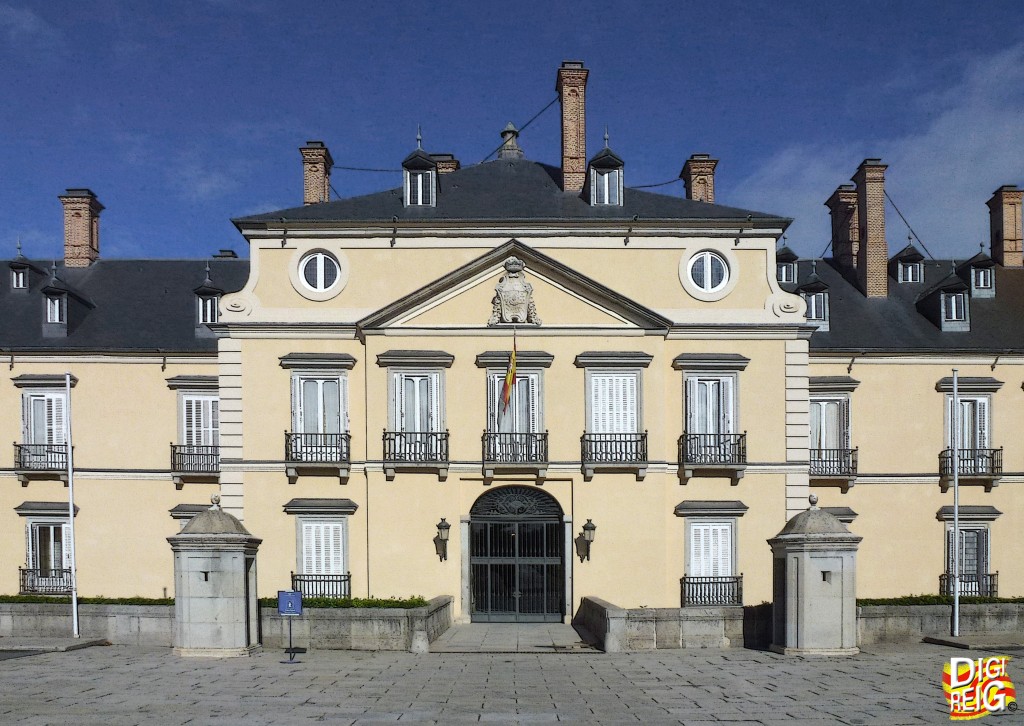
x=680, y=385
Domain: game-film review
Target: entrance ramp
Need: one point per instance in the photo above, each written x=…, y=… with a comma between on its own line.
x=510, y=638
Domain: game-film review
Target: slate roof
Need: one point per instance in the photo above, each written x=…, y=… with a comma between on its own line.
x=511, y=189
x=858, y=323
x=136, y=305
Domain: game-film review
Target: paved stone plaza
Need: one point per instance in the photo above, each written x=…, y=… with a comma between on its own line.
x=125, y=685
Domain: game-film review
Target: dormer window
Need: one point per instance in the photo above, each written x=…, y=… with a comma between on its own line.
x=56, y=309
x=19, y=278
x=604, y=177
x=954, y=307
x=419, y=188
x=607, y=186
x=420, y=174
x=910, y=272
x=817, y=305
x=208, y=308
x=785, y=272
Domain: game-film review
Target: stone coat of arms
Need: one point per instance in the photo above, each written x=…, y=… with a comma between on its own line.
x=513, y=297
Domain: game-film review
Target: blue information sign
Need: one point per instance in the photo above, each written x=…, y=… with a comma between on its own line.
x=289, y=602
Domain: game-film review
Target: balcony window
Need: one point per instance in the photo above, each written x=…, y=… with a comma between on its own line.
x=514, y=428
x=48, y=558
x=44, y=433
x=975, y=578
x=830, y=452
x=199, y=450
x=613, y=437
x=711, y=577
x=416, y=436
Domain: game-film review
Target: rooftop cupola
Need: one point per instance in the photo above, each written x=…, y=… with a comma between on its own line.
x=510, y=143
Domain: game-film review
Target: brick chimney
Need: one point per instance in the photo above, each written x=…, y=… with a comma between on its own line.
x=316, y=172
x=842, y=207
x=873, y=254
x=698, y=177
x=572, y=92
x=81, y=227
x=1005, y=225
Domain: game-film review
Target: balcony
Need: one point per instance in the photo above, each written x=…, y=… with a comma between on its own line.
x=323, y=585
x=190, y=462
x=711, y=591
x=317, y=454
x=416, y=451
x=44, y=581
x=613, y=452
x=976, y=466
x=515, y=452
x=834, y=466
x=713, y=455
x=977, y=585
x=41, y=461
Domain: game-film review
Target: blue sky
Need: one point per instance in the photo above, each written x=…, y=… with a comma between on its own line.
x=183, y=115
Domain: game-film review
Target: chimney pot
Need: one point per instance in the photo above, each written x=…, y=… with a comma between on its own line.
x=698, y=177
x=571, y=86
x=1005, y=226
x=316, y=172
x=81, y=227
x=873, y=252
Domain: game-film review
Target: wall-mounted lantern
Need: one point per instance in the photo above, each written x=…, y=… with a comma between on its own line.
x=441, y=539
x=584, y=539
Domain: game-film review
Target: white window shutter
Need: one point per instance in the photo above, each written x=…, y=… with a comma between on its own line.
x=494, y=387
x=30, y=550
x=981, y=416
x=693, y=416
x=343, y=390
x=296, y=404
x=309, y=553
x=55, y=419
x=817, y=414
x=65, y=533
x=698, y=550
x=434, y=402
x=722, y=566
x=844, y=419
x=951, y=421
x=950, y=551
x=727, y=404
x=983, y=551
x=189, y=404
x=214, y=422
x=533, y=403
x=323, y=548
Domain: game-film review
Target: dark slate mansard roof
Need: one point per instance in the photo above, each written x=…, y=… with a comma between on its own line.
x=123, y=305
x=895, y=323
x=511, y=189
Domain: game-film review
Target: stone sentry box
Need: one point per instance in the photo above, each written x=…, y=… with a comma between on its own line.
x=216, y=611
x=814, y=583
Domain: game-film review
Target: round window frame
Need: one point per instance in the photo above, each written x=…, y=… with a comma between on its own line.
x=686, y=264
x=298, y=279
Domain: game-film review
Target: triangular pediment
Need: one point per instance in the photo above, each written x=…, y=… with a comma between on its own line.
x=563, y=297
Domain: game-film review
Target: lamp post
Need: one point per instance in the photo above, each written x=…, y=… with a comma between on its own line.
x=584, y=539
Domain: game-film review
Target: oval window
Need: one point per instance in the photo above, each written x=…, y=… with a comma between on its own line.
x=319, y=271
x=708, y=271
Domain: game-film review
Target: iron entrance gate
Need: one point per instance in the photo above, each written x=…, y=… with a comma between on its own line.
x=517, y=557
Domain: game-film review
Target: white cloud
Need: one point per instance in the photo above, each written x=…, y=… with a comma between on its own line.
x=940, y=174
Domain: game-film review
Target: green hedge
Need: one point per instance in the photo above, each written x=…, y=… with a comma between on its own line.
x=88, y=600
x=935, y=600
x=352, y=602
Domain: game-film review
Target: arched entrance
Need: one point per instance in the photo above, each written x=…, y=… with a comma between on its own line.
x=517, y=557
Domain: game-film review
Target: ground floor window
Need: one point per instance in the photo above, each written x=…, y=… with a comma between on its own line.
x=321, y=546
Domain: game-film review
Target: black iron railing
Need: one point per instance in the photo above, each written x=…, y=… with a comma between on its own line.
x=45, y=581
x=323, y=585
x=703, y=591
x=317, y=448
x=515, y=448
x=41, y=457
x=614, y=448
x=834, y=462
x=191, y=459
x=713, y=449
x=981, y=585
x=972, y=462
x=416, y=447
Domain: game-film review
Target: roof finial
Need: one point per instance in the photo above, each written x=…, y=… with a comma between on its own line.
x=606, y=137
x=419, y=137
x=215, y=501
x=813, y=499
x=53, y=270
x=19, y=246
x=814, y=267
x=207, y=281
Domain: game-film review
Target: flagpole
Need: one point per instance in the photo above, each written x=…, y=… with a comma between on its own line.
x=955, y=423
x=71, y=505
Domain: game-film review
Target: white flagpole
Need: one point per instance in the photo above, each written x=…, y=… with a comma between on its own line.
x=955, y=423
x=71, y=505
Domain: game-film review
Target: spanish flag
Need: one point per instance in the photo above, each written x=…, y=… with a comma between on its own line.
x=510, y=379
